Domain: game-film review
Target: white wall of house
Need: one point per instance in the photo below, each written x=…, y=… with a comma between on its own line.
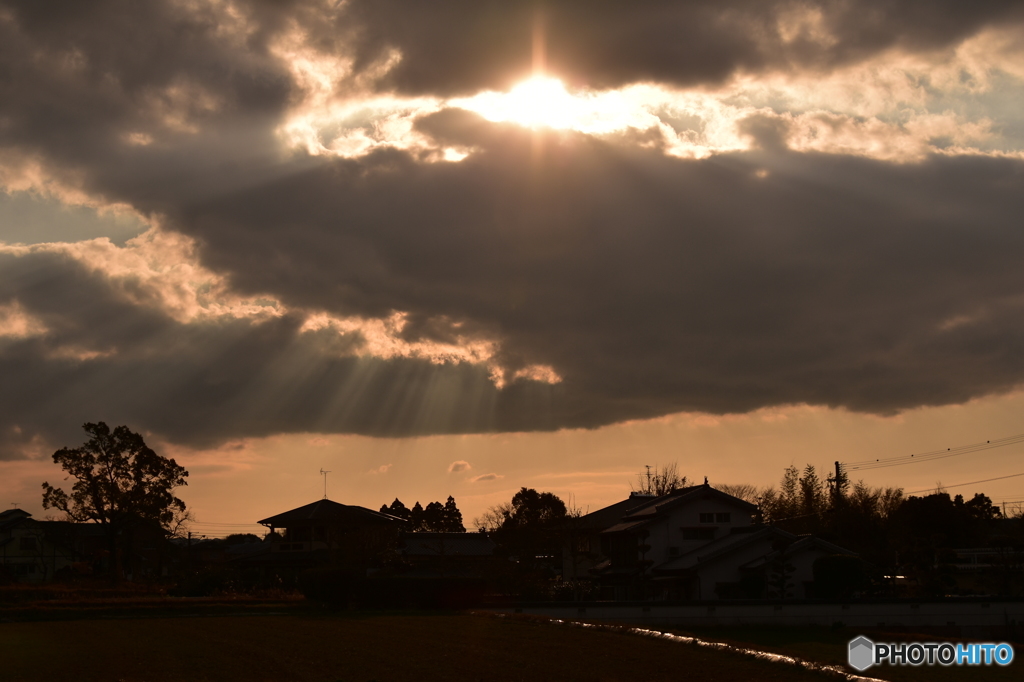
x=673, y=535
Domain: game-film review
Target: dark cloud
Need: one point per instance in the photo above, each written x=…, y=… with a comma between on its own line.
x=655, y=284
x=460, y=46
x=204, y=383
x=650, y=284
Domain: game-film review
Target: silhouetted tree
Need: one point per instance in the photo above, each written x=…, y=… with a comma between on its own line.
x=661, y=481
x=453, y=517
x=744, y=491
x=397, y=509
x=435, y=518
x=120, y=482
x=531, y=527
x=416, y=517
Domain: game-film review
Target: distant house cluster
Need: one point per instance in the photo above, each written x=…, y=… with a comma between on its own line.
x=696, y=543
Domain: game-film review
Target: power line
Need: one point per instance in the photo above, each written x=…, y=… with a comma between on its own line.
x=960, y=485
x=915, y=458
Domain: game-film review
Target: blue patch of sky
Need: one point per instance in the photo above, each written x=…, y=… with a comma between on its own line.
x=26, y=218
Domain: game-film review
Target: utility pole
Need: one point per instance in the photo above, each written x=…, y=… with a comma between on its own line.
x=324, y=474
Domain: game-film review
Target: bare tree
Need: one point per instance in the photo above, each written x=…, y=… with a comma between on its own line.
x=660, y=481
x=492, y=519
x=744, y=491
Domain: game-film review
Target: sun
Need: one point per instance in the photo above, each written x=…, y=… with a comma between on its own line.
x=538, y=102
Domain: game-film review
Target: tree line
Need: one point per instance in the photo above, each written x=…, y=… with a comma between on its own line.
x=120, y=482
x=434, y=518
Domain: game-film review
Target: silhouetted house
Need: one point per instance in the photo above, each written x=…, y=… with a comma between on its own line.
x=582, y=551
x=26, y=553
x=694, y=543
x=324, y=533
x=452, y=554
x=36, y=551
x=766, y=562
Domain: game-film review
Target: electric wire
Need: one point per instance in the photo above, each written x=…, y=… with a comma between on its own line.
x=880, y=463
x=960, y=485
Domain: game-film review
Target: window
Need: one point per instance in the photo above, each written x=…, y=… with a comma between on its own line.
x=698, y=533
x=723, y=517
x=706, y=517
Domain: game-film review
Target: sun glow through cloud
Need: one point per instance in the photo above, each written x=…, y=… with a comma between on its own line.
x=537, y=102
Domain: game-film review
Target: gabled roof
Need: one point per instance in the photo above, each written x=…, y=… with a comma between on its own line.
x=664, y=503
x=804, y=543
x=447, y=544
x=723, y=546
x=627, y=525
x=11, y=517
x=606, y=516
x=634, y=513
x=328, y=510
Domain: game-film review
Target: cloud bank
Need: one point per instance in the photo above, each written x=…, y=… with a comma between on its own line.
x=766, y=204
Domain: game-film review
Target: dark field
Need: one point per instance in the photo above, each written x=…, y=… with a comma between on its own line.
x=377, y=647
x=828, y=646
x=308, y=646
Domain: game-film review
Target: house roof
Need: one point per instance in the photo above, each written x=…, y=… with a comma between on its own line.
x=804, y=543
x=721, y=547
x=634, y=513
x=695, y=492
x=627, y=525
x=11, y=517
x=447, y=544
x=328, y=510
x=606, y=516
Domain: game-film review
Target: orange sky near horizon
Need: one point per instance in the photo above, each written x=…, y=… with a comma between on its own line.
x=232, y=487
x=319, y=222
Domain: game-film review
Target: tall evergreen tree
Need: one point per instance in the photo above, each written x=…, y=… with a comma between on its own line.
x=453, y=517
x=396, y=509
x=433, y=518
x=416, y=517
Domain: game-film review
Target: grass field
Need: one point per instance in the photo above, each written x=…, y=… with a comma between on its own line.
x=305, y=645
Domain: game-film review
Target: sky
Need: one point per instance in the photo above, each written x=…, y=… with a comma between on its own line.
x=457, y=248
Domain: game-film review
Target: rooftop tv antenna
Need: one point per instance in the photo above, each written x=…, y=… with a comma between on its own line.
x=324, y=474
